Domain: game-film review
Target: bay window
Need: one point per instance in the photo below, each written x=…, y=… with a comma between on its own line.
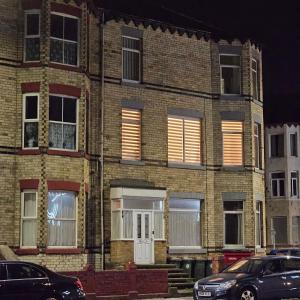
x=32, y=36
x=294, y=184
x=62, y=212
x=277, y=184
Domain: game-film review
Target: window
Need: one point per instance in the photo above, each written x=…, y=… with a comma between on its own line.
x=184, y=140
x=277, y=183
x=295, y=229
x=232, y=143
x=257, y=146
x=64, y=39
x=230, y=74
x=277, y=144
x=234, y=224
x=32, y=36
x=62, y=122
x=294, y=184
x=22, y=271
x=291, y=264
x=30, y=120
x=131, y=134
x=255, y=78
x=62, y=210
x=293, y=144
x=29, y=218
x=131, y=53
x=279, y=227
x=184, y=223
x=259, y=224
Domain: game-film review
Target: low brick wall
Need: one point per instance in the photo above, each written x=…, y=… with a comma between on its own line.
x=131, y=282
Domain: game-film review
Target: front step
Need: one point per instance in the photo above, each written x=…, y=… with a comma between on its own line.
x=157, y=266
x=178, y=275
x=178, y=280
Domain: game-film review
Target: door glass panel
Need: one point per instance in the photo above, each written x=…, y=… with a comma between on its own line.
x=147, y=227
x=139, y=226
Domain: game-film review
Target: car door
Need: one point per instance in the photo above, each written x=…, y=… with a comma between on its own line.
x=292, y=273
x=25, y=281
x=272, y=282
x=2, y=281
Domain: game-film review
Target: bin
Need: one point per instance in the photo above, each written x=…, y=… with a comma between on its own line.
x=188, y=266
x=199, y=269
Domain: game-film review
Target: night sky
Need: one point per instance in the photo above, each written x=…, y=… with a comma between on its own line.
x=276, y=27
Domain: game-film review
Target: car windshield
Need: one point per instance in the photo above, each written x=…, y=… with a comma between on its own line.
x=251, y=266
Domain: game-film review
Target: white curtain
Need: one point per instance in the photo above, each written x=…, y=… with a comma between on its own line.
x=29, y=220
x=127, y=224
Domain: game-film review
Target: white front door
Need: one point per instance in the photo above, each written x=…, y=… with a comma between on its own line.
x=143, y=241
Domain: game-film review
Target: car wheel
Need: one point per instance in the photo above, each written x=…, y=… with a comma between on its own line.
x=247, y=294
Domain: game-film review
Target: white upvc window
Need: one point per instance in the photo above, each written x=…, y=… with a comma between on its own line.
x=259, y=224
x=62, y=219
x=293, y=144
x=277, y=184
x=30, y=120
x=294, y=184
x=32, y=36
x=29, y=218
x=64, y=39
x=185, y=223
x=63, y=122
x=255, y=78
x=122, y=214
x=131, y=59
x=276, y=145
x=230, y=65
x=233, y=224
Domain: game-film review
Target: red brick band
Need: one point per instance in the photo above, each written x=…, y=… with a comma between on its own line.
x=66, y=9
x=28, y=184
x=31, y=4
x=86, y=187
x=63, y=185
x=63, y=89
x=30, y=87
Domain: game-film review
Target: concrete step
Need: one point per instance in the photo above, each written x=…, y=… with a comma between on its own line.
x=177, y=270
x=182, y=285
x=178, y=275
x=157, y=266
x=178, y=280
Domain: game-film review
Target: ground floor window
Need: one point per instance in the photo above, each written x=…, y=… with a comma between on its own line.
x=259, y=224
x=295, y=229
x=61, y=219
x=233, y=223
x=279, y=228
x=184, y=223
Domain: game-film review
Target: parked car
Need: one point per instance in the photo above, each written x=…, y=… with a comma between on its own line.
x=285, y=251
x=24, y=280
x=253, y=278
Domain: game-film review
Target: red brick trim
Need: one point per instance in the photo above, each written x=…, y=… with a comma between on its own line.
x=30, y=64
x=86, y=187
x=64, y=153
x=27, y=184
x=29, y=251
x=31, y=4
x=29, y=152
x=66, y=9
x=30, y=87
x=63, y=251
x=63, y=185
x=64, y=90
x=65, y=67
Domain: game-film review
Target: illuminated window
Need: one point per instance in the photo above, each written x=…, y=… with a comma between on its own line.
x=184, y=140
x=32, y=36
x=131, y=134
x=232, y=143
x=277, y=183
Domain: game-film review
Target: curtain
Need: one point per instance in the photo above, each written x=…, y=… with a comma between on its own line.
x=56, y=50
x=69, y=138
x=70, y=53
x=61, y=233
x=127, y=224
x=55, y=135
x=32, y=46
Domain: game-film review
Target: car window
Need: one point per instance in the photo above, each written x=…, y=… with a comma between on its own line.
x=251, y=266
x=291, y=264
x=273, y=266
x=2, y=272
x=295, y=252
x=19, y=271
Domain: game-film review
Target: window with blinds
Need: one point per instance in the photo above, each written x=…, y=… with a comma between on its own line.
x=184, y=140
x=232, y=143
x=131, y=134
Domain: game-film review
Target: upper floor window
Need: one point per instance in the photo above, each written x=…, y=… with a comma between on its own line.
x=230, y=74
x=30, y=120
x=131, y=53
x=255, y=78
x=184, y=140
x=232, y=132
x=131, y=134
x=293, y=144
x=32, y=36
x=294, y=184
x=64, y=39
x=277, y=143
x=63, y=122
x=257, y=145
x=277, y=183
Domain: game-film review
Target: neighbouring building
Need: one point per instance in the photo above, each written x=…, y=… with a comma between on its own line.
x=126, y=139
x=282, y=185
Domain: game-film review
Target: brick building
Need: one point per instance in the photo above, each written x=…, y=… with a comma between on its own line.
x=126, y=139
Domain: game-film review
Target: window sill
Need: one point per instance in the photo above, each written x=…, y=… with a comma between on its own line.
x=65, y=153
x=27, y=251
x=260, y=250
x=232, y=97
x=186, y=166
x=186, y=250
x=131, y=83
x=29, y=152
x=63, y=251
x=235, y=248
x=28, y=64
x=233, y=168
x=132, y=162
x=260, y=171
x=64, y=67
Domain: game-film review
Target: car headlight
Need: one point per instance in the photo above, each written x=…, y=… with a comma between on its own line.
x=226, y=285
x=196, y=286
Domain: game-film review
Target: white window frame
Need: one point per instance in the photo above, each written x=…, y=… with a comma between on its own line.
x=295, y=179
x=67, y=123
x=259, y=214
x=29, y=191
x=256, y=78
x=64, y=219
x=257, y=139
x=65, y=40
x=230, y=66
x=26, y=13
x=30, y=120
x=140, y=59
x=277, y=184
x=234, y=212
x=201, y=238
x=270, y=145
x=296, y=144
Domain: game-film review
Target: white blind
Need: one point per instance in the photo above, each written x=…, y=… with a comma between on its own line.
x=131, y=134
x=232, y=143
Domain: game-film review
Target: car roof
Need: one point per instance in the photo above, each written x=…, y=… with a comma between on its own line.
x=269, y=257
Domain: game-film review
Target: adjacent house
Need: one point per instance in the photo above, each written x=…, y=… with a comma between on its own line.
x=126, y=139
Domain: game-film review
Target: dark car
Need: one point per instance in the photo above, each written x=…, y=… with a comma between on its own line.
x=23, y=280
x=285, y=251
x=253, y=278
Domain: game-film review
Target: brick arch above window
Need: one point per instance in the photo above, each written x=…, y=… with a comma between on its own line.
x=63, y=185
x=66, y=9
x=31, y=4
x=63, y=89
